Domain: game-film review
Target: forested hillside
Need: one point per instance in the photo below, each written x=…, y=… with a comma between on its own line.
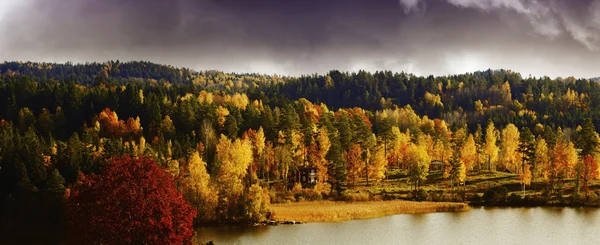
x=231, y=140
x=551, y=100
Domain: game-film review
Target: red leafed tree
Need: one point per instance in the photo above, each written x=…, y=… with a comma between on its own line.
x=133, y=202
x=590, y=171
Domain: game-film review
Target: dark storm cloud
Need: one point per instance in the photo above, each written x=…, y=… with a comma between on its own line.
x=578, y=18
x=554, y=37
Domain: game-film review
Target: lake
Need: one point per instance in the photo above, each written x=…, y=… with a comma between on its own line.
x=541, y=225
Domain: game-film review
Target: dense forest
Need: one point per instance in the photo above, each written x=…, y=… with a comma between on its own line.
x=230, y=140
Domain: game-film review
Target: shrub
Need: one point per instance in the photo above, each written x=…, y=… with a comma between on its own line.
x=255, y=203
x=577, y=198
x=385, y=196
x=495, y=195
x=279, y=187
x=592, y=199
x=446, y=197
x=476, y=199
x=561, y=198
x=324, y=196
x=460, y=196
x=488, y=196
x=515, y=199
x=434, y=196
x=290, y=198
x=388, y=197
x=421, y=195
x=297, y=188
x=546, y=195
x=306, y=194
x=298, y=195
x=312, y=195
x=356, y=196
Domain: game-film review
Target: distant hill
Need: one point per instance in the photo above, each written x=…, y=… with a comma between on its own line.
x=454, y=98
x=597, y=79
x=88, y=72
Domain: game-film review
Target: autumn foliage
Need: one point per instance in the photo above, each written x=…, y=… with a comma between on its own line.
x=589, y=171
x=232, y=141
x=111, y=126
x=133, y=202
x=354, y=163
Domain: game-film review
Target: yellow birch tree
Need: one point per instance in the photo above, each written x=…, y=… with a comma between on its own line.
x=511, y=159
x=490, y=149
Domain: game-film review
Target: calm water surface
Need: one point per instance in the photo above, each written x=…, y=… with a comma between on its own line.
x=477, y=226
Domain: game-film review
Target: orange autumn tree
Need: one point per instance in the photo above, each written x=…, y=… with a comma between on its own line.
x=589, y=171
x=270, y=165
x=111, y=126
x=109, y=123
x=564, y=158
x=354, y=164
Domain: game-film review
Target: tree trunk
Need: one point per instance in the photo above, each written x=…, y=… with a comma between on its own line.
x=367, y=171
x=417, y=186
x=523, y=172
x=385, y=153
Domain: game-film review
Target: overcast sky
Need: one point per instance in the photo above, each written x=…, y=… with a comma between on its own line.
x=439, y=37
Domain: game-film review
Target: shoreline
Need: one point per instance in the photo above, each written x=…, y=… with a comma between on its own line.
x=330, y=211
x=461, y=207
x=525, y=205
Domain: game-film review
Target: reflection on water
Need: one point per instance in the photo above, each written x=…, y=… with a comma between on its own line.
x=477, y=226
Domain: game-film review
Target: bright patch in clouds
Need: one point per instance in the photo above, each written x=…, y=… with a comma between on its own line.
x=263, y=67
x=465, y=63
x=7, y=5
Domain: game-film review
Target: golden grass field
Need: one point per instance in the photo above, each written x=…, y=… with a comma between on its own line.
x=329, y=211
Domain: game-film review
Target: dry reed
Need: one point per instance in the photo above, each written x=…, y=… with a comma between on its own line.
x=328, y=211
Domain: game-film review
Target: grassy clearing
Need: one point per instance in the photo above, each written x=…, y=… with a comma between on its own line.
x=477, y=182
x=397, y=186
x=368, y=198
x=328, y=211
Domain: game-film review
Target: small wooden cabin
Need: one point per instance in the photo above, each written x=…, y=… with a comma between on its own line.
x=436, y=165
x=306, y=176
